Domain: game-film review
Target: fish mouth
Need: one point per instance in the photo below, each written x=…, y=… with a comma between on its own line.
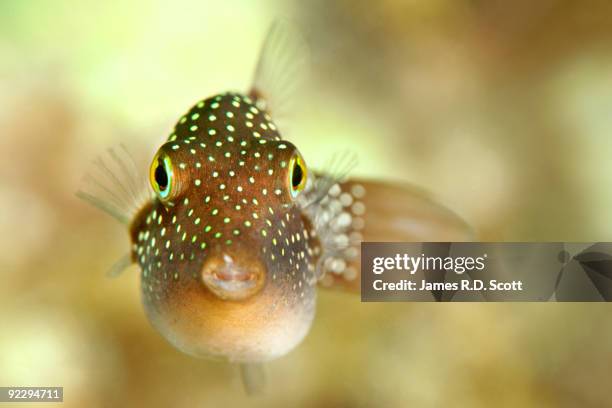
x=231, y=277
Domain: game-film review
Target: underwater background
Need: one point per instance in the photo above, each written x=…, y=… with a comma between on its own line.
x=503, y=110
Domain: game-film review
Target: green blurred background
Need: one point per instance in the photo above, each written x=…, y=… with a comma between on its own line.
x=502, y=109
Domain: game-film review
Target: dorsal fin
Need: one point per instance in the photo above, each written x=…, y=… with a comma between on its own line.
x=281, y=70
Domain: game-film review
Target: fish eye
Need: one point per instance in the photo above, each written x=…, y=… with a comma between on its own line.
x=161, y=176
x=297, y=175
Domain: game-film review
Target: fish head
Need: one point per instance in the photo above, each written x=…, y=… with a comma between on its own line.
x=227, y=257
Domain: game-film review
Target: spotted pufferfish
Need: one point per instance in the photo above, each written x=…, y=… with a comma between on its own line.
x=235, y=233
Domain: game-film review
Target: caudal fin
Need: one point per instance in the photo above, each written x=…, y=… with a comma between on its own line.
x=387, y=212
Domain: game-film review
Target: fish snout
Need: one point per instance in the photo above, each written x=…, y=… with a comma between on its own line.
x=233, y=275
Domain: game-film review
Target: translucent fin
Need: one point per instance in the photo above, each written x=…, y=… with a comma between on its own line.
x=281, y=71
x=115, y=185
x=335, y=171
x=325, y=212
x=119, y=266
x=359, y=210
x=253, y=378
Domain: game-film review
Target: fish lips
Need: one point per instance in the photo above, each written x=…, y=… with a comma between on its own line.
x=233, y=277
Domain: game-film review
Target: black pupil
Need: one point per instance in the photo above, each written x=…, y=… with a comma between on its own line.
x=296, y=177
x=161, y=177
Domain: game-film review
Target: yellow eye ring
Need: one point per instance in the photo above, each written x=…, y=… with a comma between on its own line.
x=161, y=176
x=297, y=175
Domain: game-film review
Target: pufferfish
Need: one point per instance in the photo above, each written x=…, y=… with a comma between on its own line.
x=236, y=233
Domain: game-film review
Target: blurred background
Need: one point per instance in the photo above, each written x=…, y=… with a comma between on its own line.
x=501, y=109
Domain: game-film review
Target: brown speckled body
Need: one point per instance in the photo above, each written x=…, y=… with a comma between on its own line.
x=231, y=218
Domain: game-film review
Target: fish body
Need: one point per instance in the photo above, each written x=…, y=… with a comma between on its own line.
x=234, y=234
x=228, y=258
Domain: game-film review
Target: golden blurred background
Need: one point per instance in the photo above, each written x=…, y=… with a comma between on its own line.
x=502, y=109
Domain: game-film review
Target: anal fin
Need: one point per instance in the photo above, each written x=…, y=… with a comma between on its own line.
x=253, y=378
